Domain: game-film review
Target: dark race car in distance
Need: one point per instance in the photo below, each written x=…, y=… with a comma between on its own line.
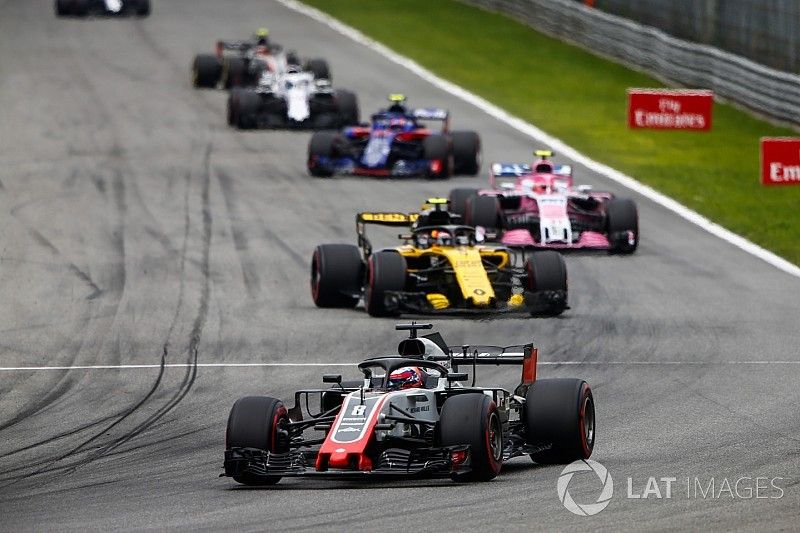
x=83, y=8
x=396, y=144
x=410, y=416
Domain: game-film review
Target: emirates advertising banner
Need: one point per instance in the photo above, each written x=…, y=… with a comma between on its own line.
x=780, y=160
x=670, y=109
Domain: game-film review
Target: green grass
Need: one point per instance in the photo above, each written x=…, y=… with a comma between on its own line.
x=581, y=99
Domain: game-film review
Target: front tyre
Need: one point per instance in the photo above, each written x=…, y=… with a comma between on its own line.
x=622, y=223
x=472, y=419
x=257, y=422
x=336, y=274
x=560, y=413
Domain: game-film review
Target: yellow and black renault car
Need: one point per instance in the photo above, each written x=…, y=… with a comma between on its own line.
x=442, y=266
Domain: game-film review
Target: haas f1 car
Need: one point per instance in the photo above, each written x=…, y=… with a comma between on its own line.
x=396, y=144
x=242, y=63
x=293, y=99
x=411, y=415
x=83, y=8
x=538, y=207
x=441, y=267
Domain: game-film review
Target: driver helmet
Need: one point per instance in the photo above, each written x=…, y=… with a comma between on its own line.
x=262, y=36
x=398, y=103
x=408, y=377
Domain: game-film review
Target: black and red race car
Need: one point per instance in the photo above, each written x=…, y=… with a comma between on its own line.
x=83, y=8
x=412, y=415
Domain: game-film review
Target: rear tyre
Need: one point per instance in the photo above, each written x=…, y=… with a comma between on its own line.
x=458, y=201
x=63, y=8
x=348, y=107
x=622, y=221
x=143, y=8
x=258, y=422
x=560, y=412
x=466, y=152
x=336, y=274
x=386, y=271
x=247, y=109
x=547, y=283
x=233, y=72
x=80, y=8
x=320, y=69
x=322, y=146
x=484, y=211
x=472, y=419
x=436, y=149
x=206, y=71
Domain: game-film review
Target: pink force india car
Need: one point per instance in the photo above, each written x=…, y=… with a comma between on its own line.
x=537, y=206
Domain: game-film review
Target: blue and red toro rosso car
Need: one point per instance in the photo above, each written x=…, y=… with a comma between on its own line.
x=413, y=413
x=396, y=144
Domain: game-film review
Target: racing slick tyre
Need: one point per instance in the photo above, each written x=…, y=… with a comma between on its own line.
x=233, y=106
x=206, y=71
x=547, y=283
x=63, y=8
x=322, y=144
x=622, y=221
x=319, y=67
x=234, y=71
x=336, y=274
x=472, y=419
x=483, y=211
x=80, y=8
x=386, y=271
x=436, y=148
x=257, y=422
x=246, y=109
x=142, y=8
x=348, y=108
x=560, y=412
x=466, y=152
x=458, y=199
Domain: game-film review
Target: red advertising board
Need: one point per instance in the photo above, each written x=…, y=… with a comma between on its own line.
x=780, y=160
x=670, y=109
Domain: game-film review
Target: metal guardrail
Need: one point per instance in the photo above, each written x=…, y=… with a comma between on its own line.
x=768, y=91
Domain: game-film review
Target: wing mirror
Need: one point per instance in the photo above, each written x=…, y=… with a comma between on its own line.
x=332, y=378
x=584, y=188
x=457, y=376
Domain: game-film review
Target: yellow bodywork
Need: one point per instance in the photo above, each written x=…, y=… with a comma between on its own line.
x=467, y=264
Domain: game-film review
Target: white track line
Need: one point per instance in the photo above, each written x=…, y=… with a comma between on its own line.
x=552, y=142
x=323, y=365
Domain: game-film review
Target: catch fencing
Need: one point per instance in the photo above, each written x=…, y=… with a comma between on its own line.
x=766, y=90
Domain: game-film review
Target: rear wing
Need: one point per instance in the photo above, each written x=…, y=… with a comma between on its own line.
x=433, y=114
x=233, y=46
x=525, y=355
x=381, y=218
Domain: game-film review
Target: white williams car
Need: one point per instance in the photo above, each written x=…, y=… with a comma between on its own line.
x=292, y=99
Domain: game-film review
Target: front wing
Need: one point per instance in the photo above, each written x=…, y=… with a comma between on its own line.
x=418, y=462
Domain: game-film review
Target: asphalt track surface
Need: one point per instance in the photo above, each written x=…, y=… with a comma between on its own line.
x=136, y=228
